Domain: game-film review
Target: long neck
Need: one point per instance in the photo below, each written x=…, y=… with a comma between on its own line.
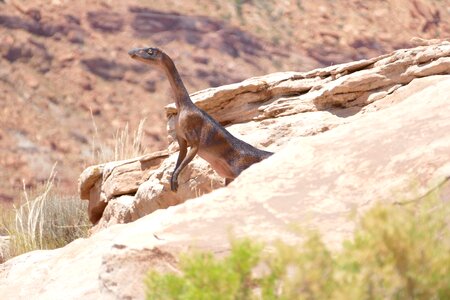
x=182, y=98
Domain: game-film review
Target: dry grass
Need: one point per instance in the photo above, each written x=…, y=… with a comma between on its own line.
x=44, y=220
x=126, y=144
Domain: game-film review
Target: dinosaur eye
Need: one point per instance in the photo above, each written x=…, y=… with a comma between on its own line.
x=150, y=51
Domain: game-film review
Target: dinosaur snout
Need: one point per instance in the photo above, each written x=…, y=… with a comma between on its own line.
x=133, y=52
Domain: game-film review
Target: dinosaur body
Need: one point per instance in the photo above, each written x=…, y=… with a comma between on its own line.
x=195, y=129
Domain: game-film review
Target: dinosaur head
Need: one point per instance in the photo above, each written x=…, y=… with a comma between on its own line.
x=147, y=55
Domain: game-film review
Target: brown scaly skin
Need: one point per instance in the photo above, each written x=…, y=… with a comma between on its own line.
x=194, y=128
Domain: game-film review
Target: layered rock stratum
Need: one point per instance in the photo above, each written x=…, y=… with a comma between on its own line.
x=345, y=137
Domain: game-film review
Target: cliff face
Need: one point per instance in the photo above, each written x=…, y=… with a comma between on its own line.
x=63, y=61
x=345, y=137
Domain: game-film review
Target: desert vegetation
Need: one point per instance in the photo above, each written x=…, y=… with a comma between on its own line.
x=396, y=252
x=43, y=219
x=127, y=143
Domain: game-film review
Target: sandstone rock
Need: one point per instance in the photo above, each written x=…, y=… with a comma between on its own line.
x=121, y=262
x=268, y=112
x=95, y=182
x=345, y=85
x=197, y=179
x=87, y=180
x=117, y=211
x=153, y=194
x=147, y=178
x=394, y=150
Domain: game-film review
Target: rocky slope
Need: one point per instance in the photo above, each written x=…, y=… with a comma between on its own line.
x=345, y=137
x=267, y=111
x=63, y=61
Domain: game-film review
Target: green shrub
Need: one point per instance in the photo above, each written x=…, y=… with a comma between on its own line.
x=206, y=277
x=397, y=252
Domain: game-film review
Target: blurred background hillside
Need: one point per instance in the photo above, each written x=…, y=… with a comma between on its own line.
x=67, y=84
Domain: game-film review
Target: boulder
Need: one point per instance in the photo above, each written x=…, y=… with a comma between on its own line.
x=101, y=183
